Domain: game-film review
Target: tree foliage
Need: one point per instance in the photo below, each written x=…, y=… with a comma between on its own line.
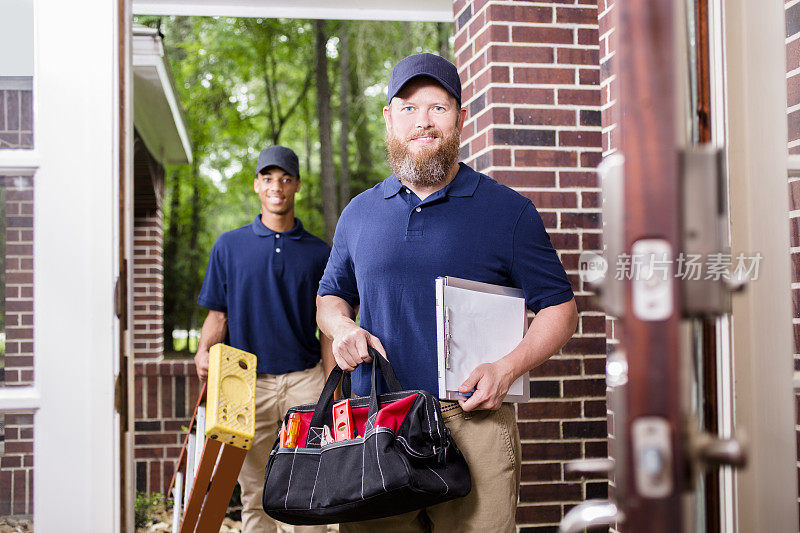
x=247, y=83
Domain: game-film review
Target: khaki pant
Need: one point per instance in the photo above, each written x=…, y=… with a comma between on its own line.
x=275, y=394
x=490, y=443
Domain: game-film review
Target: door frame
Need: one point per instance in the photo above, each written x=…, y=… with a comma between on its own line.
x=73, y=164
x=761, y=323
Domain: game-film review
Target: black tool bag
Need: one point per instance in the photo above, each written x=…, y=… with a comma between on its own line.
x=401, y=459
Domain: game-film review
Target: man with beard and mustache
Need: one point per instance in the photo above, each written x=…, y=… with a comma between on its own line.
x=436, y=217
x=260, y=289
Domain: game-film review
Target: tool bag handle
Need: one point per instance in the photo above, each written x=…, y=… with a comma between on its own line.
x=322, y=412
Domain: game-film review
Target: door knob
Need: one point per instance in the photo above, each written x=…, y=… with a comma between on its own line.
x=713, y=451
x=590, y=466
x=590, y=513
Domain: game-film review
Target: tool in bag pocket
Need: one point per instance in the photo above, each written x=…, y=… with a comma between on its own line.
x=402, y=460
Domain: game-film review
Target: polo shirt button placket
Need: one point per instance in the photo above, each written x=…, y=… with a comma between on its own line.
x=415, y=224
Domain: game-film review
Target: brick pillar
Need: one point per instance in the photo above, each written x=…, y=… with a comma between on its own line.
x=148, y=285
x=165, y=391
x=531, y=78
x=16, y=446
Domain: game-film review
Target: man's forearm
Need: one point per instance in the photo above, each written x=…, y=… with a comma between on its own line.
x=213, y=330
x=550, y=329
x=333, y=313
x=328, y=362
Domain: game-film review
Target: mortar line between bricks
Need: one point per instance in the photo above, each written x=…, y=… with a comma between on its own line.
x=552, y=66
x=544, y=127
x=512, y=65
x=525, y=44
x=605, y=35
x=548, y=169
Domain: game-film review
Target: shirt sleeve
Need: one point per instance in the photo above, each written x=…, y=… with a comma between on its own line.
x=213, y=293
x=339, y=278
x=319, y=265
x=535, y=266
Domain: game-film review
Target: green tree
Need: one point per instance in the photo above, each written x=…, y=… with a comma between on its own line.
x=247, y=83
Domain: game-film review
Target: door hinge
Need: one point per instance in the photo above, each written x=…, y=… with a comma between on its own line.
x=121, y=296
x=121, y=395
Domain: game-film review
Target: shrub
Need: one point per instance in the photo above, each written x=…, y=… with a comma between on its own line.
x=146, y=504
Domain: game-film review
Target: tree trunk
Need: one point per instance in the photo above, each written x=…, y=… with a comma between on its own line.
x=307, y=197
x=344, y=117
x=327, y=176
x=170, y=261
x=194, y=232
x=443, y=30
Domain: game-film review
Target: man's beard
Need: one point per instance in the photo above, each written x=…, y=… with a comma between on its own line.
x=429, y=167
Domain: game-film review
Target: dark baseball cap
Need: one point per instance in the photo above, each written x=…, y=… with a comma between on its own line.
x=430, y=65
x=279, y=156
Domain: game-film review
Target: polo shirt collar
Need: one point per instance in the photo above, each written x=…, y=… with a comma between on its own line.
x=262, y=231
x=464, y=184
x=391, y=186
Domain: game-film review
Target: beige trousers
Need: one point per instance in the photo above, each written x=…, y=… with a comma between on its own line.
x=275, y=394
x=490, y=443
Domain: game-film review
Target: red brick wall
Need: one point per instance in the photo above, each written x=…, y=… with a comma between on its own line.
x=165, y=391
x=16, y=448
x=608, y=97
x=148, y=285
x=165, y=395
x=19, y=279
x=16, y=451
x=16, y=467
x=531, y=77
x=793, y=119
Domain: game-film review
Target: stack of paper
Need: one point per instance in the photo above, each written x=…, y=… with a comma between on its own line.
x=477, y=323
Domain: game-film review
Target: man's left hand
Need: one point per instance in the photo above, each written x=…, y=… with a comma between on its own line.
x=490, y=383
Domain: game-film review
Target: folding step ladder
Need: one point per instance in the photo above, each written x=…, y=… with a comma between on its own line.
x=214, y=450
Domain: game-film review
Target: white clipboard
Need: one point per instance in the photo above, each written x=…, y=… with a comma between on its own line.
x=477, y=323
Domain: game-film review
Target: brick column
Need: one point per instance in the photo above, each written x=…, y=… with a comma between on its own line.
x=16, y=450
x=16, y=446
x=165, y=395
x=165, y=391
x=531, y=84
x=148, y=285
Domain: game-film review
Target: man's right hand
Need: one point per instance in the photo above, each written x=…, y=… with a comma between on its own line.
x=350, y=347
x=201, y=363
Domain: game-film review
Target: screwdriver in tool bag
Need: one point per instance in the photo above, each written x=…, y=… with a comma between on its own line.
x=291, y=431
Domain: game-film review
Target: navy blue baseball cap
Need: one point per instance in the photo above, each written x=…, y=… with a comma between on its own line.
x=279, y=156
x=430, y=65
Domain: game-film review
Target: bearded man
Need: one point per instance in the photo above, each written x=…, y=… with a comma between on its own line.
x=436, y=217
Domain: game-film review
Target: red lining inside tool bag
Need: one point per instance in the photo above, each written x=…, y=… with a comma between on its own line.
x=390, y=415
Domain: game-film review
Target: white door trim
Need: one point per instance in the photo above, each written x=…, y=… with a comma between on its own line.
x=76, y=435
x=428, y=10
x=766, y=490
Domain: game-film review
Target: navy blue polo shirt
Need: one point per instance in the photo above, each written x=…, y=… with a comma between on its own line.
x=267, y=282
x=390, y=247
